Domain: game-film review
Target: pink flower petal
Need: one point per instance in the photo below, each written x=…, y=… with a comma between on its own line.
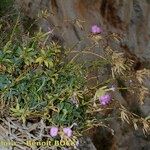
x=96, y=29
x=53, y=131
x=67, y=131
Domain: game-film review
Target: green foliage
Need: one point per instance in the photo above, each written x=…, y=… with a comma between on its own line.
x=36, y=78
x=69, y=113
x=9, y=24
x=5, y=5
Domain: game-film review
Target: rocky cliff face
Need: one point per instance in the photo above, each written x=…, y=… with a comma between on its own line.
x=71, y=21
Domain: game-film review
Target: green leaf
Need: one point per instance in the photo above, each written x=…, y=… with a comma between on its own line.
x=50, y=63
x=101, y=91
x=39, y=60
x=46, y=63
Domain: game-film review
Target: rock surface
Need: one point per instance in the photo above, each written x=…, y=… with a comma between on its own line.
x=72, y=21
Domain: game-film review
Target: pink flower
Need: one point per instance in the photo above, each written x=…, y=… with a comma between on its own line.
x=95, y=29
x=67, y=131
x=105, y=99
x=53, y=131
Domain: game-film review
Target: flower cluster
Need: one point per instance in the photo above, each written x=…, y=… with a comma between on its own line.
x=96, y=29
x=54, y=131
x=105, y=99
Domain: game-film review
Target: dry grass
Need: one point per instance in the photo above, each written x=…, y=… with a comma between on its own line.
x=13, y=130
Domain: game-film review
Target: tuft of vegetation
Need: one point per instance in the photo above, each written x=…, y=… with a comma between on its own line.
x=5, y=5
